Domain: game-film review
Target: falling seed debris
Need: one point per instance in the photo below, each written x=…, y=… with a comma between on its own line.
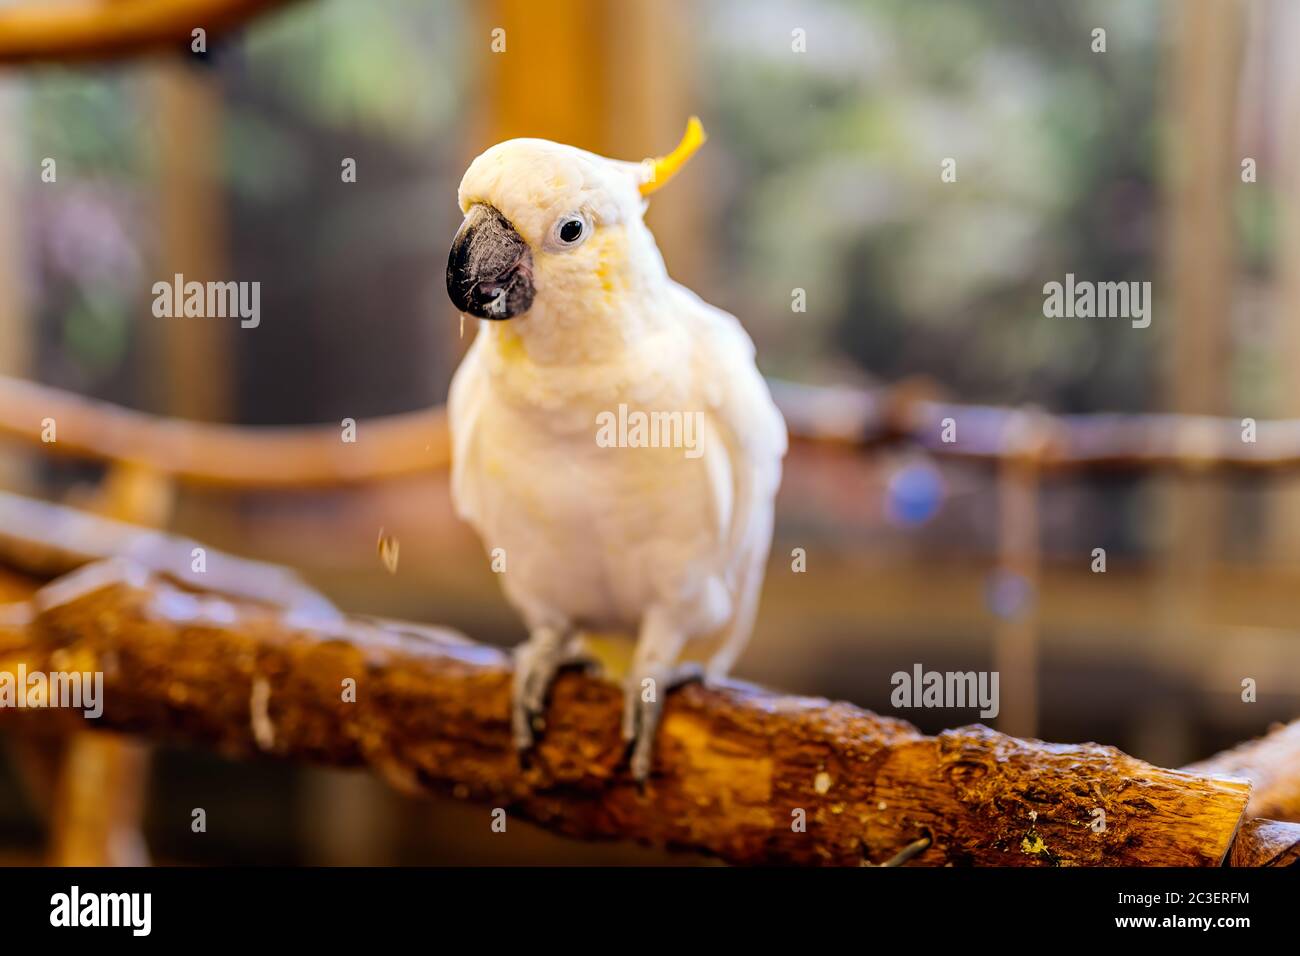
x=388, y=548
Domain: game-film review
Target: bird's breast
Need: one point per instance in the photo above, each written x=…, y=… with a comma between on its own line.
x=599, y=520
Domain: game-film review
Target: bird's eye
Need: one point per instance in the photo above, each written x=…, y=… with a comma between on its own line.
x=570, y=231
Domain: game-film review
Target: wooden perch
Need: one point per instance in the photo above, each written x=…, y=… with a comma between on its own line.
x=737, y=768
x=1263, y=842
x=1272, y=764
x=100, y=29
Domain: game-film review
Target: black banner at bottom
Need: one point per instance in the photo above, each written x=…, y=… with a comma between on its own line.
x=489, y=905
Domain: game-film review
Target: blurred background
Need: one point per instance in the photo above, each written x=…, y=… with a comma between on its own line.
x=822, y=174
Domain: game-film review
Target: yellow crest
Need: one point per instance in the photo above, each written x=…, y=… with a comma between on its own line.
x=659, y=170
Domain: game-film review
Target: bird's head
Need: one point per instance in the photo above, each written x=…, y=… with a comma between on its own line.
x=556, y=230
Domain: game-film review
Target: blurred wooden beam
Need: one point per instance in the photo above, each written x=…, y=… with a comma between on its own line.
x=616, y=77
x=40, y=540
x=1015, y=635
x=552, y=78
x=1203, y=168
x=1277, y=96
x=413, y=443
x=1201, y=163
x=17, y=346
x=655, y=47
x=98, y=800
x=76, y=30
x=191, y=372
x=225, y=455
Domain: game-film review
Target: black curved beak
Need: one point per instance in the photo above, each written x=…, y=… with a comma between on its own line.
x=489, y=268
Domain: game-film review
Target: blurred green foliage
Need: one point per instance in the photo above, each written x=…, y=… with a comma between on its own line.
x=839, y=192
x=827, y=178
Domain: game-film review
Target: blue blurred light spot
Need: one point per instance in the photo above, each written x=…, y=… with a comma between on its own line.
x=914, y=494
x=1008, y=594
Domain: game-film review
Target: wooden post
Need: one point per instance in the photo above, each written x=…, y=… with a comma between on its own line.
x=1283, y=176
x=190, y=360
x=103, y=779
x=612, y=76
x=15, y=334
x=1015, y=655
x=1202, y=167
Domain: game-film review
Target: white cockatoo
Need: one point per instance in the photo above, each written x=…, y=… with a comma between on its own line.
x=611, y=434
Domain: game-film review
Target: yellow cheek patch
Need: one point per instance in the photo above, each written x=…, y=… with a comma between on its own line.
x=613, y=249
x=509, y=346
x=605, y=271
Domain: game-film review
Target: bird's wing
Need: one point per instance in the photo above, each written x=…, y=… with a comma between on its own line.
x=469, y=390
x=746, y=439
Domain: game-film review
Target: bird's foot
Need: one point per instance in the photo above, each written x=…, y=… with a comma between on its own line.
x=643, y=705
x=537, y=662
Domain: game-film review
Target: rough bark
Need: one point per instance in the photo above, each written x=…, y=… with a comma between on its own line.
x=736, y=766
x=1266, y=843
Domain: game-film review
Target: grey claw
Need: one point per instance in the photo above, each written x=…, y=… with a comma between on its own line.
x=631, y=701
x=537, y=662
x=643, y=753
x=521, y=718
x=641, y=717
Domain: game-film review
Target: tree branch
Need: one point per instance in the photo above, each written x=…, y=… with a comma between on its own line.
x=737, y=768
x=1271, y=764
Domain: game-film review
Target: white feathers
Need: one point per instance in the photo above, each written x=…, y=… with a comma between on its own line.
x=534, y=181
x=597, y=536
